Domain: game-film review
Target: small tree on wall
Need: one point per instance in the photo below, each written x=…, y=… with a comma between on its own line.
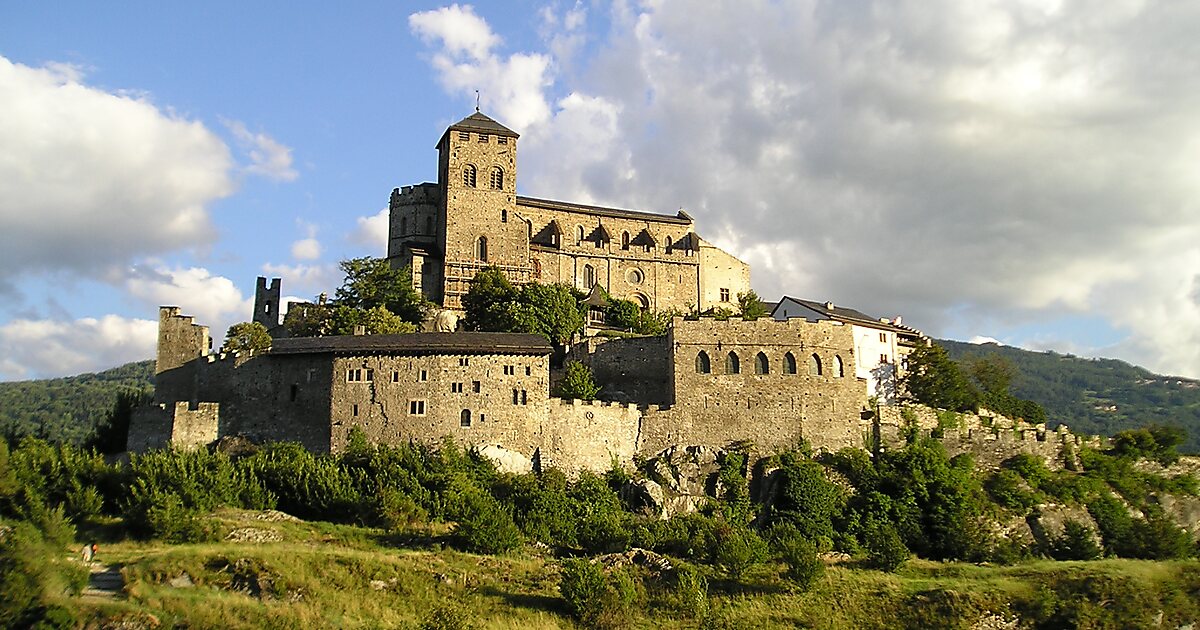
x=750, y=307
x=246, y=336
x=578, y=382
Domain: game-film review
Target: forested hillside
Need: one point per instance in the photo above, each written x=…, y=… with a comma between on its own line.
x=66, y=409
x=1097, y=396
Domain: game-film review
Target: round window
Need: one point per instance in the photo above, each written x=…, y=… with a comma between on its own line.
x=635, y=276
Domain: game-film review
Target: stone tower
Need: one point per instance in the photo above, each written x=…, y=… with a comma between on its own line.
x=477, y=179
x=266, y=302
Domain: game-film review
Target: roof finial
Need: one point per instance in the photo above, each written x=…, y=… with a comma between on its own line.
x=476, y=100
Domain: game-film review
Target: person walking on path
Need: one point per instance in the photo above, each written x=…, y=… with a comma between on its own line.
x=88, y=552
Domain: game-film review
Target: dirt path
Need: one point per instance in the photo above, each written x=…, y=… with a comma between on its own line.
x=105, y=581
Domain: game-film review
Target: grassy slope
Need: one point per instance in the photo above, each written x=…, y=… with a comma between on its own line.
x=321, y=575
x=66, y=409
x=1097, y=396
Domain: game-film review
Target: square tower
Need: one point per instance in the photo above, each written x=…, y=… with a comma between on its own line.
x=477, y=173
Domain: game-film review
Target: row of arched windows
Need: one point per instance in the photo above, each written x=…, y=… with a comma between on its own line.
x=762, y=364
x=495, y=177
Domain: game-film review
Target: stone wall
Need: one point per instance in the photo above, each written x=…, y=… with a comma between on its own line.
x=721, y=273
x=634, y=369
x=181, y=425
x=180, y=343
x=579, y=435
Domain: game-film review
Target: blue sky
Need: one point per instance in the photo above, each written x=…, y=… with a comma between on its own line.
x=1024, y=171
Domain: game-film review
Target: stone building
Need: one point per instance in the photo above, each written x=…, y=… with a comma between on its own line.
x=473, y=218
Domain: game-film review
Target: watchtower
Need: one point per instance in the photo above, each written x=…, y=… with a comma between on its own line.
x=266, y=302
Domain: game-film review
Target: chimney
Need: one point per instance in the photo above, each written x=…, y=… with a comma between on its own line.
x=829, y=306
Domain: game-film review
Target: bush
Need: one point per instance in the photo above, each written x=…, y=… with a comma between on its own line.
x=577, y=382
x=446, y=617
x=596, y=599
x=690, y=596
x=736, y=548
x=484, y=526
x=804, y=566
x=31, y=567
x=885, y=549
x=1077, y=542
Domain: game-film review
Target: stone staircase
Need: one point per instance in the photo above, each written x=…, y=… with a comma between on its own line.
x=104, y=581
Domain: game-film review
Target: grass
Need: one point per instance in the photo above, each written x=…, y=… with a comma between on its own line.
x=335, y=576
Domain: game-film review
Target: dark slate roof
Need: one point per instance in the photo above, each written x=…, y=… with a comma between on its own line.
x=595, y=298
x=417, y=343
x=680, y=218
x=479, y=123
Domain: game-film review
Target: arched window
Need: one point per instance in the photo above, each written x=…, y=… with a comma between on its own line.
x=469, y=176
x=814, y=365
x=496, y=178
x=578, y=234
x=761, y=364
x=732, y=364
x=702, y=364
x=838, y=369
x=589, y=277
x=789, y=363
x=481, y=252
x=464, y=418
x=624, y=240
x=643, y=302
x=668, y=243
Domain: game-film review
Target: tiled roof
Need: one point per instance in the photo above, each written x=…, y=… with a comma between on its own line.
x=416, y=343
x=848, y=315
x=479, y=123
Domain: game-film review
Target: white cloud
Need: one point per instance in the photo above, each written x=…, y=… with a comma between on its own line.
x=49, y=348
x=511, y=86
x=213, y=300
x=372, y=231
x=981, y=339
x=91, y=179
x=307, y=248
x=305, y=279
x=999, y=162
x=268, y=157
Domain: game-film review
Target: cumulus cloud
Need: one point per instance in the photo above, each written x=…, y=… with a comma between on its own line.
x=268, y=158
x=303, y=278
x=998, y=163
x=466, y=60
x=47, y=348
x=90, y=179
x=372, y=232
x=307, y=248
x=210, y=298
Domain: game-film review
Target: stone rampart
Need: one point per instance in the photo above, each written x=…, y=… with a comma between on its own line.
x=181, y=425
x=634, y=369
x=581, y=435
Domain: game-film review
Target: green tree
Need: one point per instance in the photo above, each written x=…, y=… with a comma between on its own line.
x=750, y=307
x=992, y=373
x=490, y=302
x=578, y=382
x=934, y=379
x=372, y=282
x=111, y=433
x=246, y=336
x=550, y=310
x=308, y=320
x=376, y=320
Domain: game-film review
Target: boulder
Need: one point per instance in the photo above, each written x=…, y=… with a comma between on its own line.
x=683, y=478
x=506, y=461
x=1047, y=521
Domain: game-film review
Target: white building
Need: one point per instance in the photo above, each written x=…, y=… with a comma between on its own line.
x=880, y=345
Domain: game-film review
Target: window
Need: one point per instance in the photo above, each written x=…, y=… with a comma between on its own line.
x=635, y=276
x=883, y=359
x=464, y=418
x=578, y=234
x=464, y=136
x=703, y=366
x=456, y=388
x=839, y=370
x=504, y=216
x=469, y=176
x=403, y=226
x=528, y=371
x=814, y=365
x=724, y=295
x=416, y=407
x=789, y=363
x=499, y=140
x=589, y=277
x=732, y=364
x=496, y=178
x=516, y=396
x=624, y=240
x=360, y=375
x=395, y=376
x=668, y=244
x=423, y=376
x=476, y=386
x=882, y=337
x=761, y=364
x=481, y=253
x=295, y=392
x=429, y=225
x=464, y=361
x=510, y=370
x=483, y=138
x=524, y=397
x=354, y=411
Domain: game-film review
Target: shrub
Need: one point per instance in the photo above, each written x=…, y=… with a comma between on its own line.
x=804, y=566
x=590, y=596
x=885, y=549
x=30, y=568
x=736, y=548
x=690, y=595
x=577, y=382
x=484, y=526
x=1077, y=542
x=446, y=617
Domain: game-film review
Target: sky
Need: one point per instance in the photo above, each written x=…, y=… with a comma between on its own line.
x=1023, y=171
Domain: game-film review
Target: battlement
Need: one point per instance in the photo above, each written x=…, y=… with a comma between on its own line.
x=576, y=402
x=419, y=194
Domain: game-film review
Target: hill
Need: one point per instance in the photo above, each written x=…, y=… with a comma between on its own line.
x=65, y=409
x=1096, y=396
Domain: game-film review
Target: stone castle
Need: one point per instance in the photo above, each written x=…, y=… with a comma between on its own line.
x=811, y=371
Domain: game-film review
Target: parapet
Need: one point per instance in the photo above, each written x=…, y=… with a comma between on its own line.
x=420, y=194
